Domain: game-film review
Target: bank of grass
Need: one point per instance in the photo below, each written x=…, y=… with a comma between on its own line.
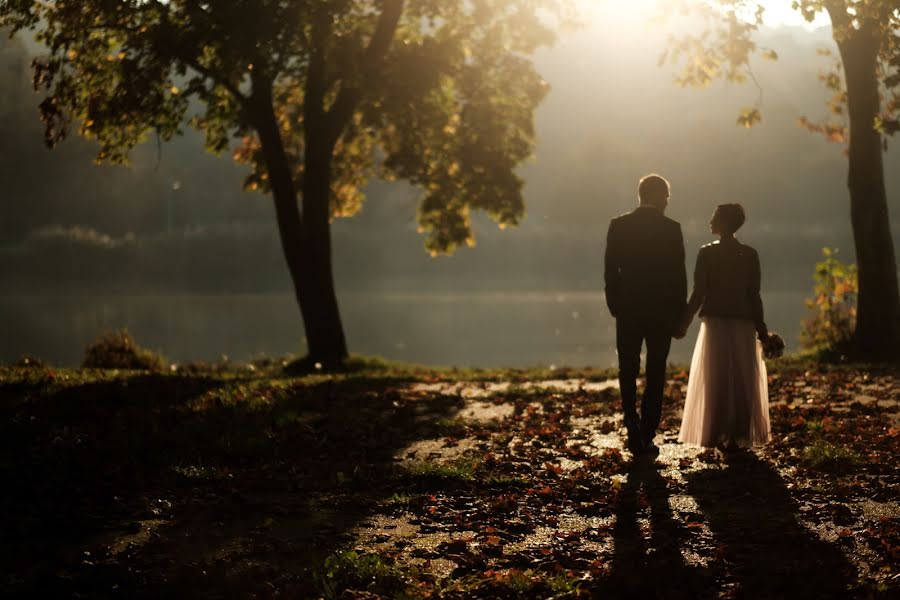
x=377, y=367
x=357, y=367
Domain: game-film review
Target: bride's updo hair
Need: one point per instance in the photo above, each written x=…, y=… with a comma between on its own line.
x=731, y=216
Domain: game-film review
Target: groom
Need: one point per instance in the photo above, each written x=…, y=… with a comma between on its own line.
x=646, y=287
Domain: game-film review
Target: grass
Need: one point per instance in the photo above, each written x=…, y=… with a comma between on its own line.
x=118, y=350
x=464, y=469
x=365, y=369
x=824, y=455
x=460, y=469
x=399, y=499
x=375, y=367
x=520, y=583
x=348, y=572
x=816, y=360
x=351, y=574
x=451, y=426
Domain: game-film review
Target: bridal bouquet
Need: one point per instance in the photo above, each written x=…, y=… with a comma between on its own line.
x=773, y=346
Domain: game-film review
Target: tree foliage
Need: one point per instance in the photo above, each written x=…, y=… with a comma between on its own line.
x=725, y=48
x=832, y=319
x=448, y=104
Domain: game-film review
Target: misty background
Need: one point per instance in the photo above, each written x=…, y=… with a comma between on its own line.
x=172, y=249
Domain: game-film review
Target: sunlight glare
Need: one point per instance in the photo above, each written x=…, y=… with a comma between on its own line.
x=778, y=13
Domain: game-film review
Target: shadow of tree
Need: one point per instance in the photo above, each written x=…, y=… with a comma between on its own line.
x=160, y=486
x=765, y=552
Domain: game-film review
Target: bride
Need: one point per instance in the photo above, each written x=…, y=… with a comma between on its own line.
x=727, y=403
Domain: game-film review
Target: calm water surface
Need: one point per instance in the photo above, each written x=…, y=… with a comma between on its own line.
x=481, y=329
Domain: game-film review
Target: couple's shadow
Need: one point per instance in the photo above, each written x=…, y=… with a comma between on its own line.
x=750, y=547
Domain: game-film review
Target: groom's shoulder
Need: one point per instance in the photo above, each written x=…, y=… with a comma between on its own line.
x=624, y=217
x=672, y=223
x=671, y=226
x=637, y=219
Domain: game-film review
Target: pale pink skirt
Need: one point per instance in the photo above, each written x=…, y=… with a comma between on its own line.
x=728, y=395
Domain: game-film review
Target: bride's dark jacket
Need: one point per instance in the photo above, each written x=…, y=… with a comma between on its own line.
x=645, y=273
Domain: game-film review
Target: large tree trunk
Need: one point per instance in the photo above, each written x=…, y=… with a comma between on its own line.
x=325, y=332
x=878, y=318
x=305, y=239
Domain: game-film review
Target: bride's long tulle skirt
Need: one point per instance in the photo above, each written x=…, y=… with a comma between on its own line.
x=727, y=397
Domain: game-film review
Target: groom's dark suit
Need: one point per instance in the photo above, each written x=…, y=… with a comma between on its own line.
x=646, y=288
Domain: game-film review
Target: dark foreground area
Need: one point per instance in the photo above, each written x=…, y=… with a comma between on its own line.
x=419, y=484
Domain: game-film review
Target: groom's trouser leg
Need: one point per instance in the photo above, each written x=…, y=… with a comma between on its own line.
x=628, y=346
x=658, y=345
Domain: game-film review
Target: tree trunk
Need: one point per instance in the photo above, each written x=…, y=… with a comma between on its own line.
x=326, y=331
x=878, y=315
x=305, y=240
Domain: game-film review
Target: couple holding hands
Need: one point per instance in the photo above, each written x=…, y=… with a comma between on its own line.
x=727, y=404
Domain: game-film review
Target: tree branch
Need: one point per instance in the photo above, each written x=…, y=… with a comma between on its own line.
x=349, y=96
x=185, y=55
x=837, y=11
x=314, y=90
x=216, y=79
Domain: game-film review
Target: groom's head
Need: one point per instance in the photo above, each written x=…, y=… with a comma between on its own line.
x=653, y=190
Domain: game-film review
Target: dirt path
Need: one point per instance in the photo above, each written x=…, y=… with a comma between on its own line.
x=554, y=502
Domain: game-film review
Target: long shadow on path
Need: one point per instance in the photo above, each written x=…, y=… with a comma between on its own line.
x=766, y=552
x=648, y=538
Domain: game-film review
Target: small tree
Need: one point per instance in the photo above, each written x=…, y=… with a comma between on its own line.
x=323, y=94
x=833, y=305
x=864, y=103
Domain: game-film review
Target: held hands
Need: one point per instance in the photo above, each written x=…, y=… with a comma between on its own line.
x=682, y=326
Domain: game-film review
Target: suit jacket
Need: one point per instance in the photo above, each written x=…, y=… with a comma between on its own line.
x=645, y=274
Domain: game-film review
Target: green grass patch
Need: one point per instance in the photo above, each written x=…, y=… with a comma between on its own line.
x=464, y=469
x=460, y=469
x=348, y=572
x=824, y=455
x=520, y=583
x=815, y=426
x=455, y=427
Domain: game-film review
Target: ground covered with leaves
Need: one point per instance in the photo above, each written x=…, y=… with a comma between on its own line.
x=417, y=484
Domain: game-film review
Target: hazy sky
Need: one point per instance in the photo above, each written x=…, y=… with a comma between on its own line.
x=778, y=12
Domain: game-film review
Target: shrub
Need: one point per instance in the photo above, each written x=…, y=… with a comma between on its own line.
x=27, y=361
x=118, y=350
x=833, y=320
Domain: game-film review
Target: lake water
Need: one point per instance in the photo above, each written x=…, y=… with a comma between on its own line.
x=464, y=329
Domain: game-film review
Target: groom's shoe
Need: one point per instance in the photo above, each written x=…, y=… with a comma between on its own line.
x=635, y=438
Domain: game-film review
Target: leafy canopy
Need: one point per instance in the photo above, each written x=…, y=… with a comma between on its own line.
x=724, y=49
x=448, y=107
